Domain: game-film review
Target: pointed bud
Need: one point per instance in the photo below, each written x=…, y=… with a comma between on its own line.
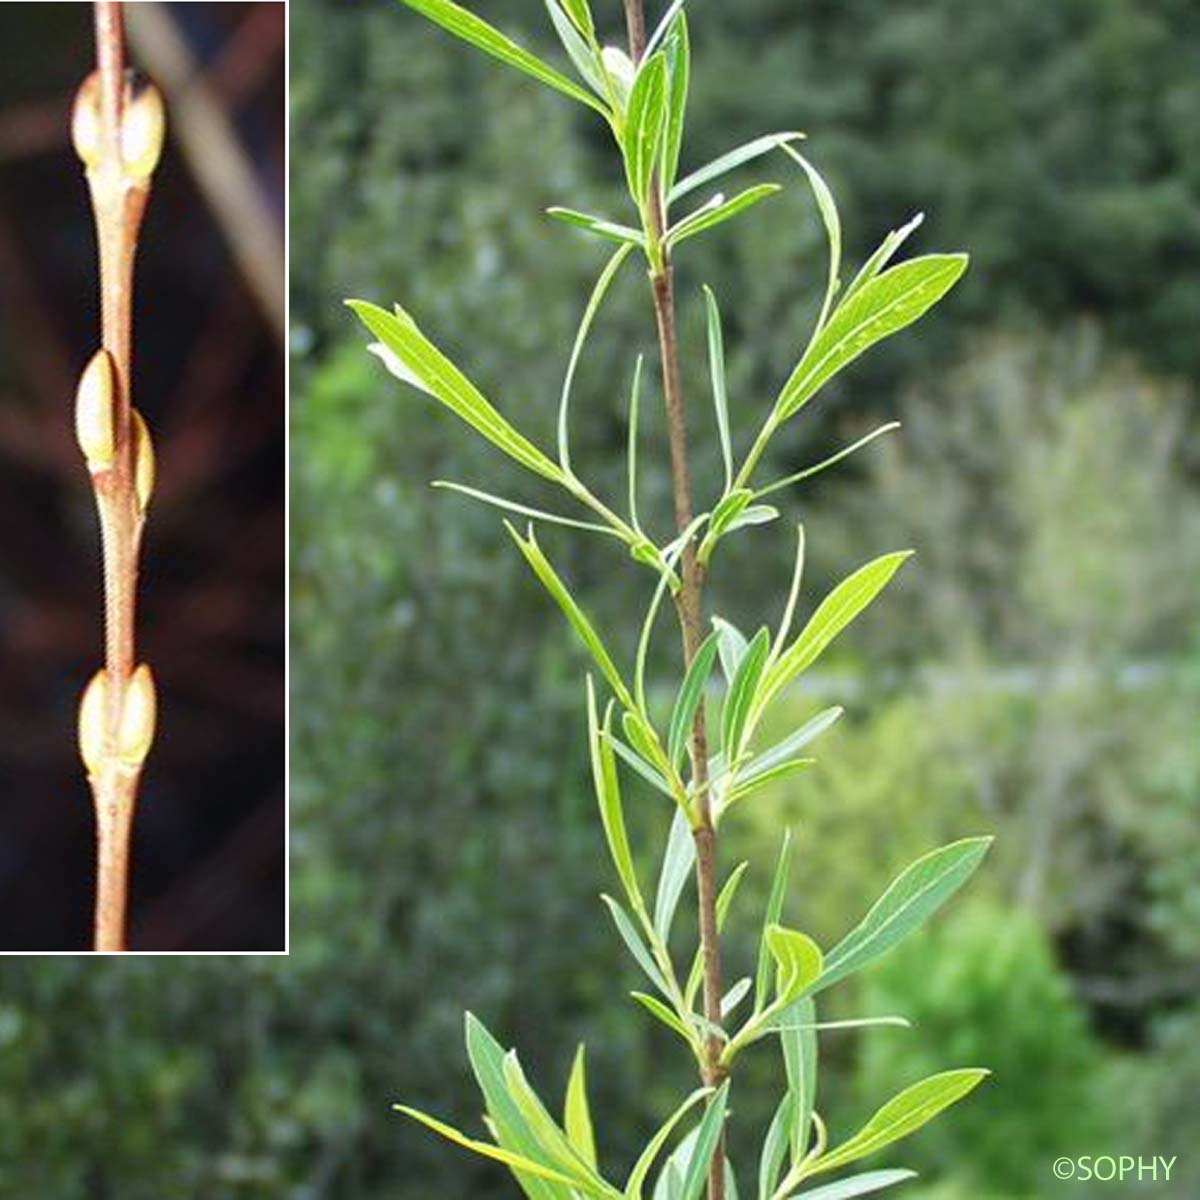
x=143, y=461
x=94, y=412
x=91, y=722
x=142, y=129
x=85, y=120
x=137, y=718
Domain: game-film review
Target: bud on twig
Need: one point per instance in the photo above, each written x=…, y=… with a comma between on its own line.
x=94, y=412
x=85, y=120
x=92, y=707
x=620, y=69
x=142, y=129
x=143, y=461
x=138, y=711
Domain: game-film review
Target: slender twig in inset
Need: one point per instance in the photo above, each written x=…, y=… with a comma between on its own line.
x=117, y=128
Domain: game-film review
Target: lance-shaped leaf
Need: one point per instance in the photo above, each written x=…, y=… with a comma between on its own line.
x=718, y=211
x=716, y=368
x=635, y=945
x=798, y=1041
x=657, y=1009
x=424, y=365
x=798, y=961
x=678, y=52
x=741, y=695
x=783, y=752
x=575, y=615
x=912, y=897
x=608, y=795
x=691, y=693
x=833, y=228
x=506, y=1121
x=725, y=900
x=833, y=614
x=902, y=1115
x=737, y=157
x=576, y=45
x=486, y=1149
x=883, y=255
x=637, y=1177
x=645, y=124
x=775, y=899
x=678, y=860
x=601, y=226
x=885, y=305
x=466, y=25
x=577, y=1114
x=856, y=1185
x=708, y=1133
x=732, y=647
x=774, y=1149
x=580, y=14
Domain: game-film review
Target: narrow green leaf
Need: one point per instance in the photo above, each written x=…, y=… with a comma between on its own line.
x=486, y=1149
x=691, y=694
x=635, y=945
x=644, y=125
x=538, y=514
x=716, y=367
x=747, y=787
x=580, y=15
x=574, y=614
x=643, y=768
x=632, y=456
x=833, y=229
x=798, y=960
x=707, y=217
x=753, y=514
x=883, y=255
x=833, y=614
x=879, y=308
x=902, y=1115
x=707, y=1135
x=678, y=860
x=725, y=900
x=609, y=230
x=737, y=157
x=826, y=463
x=741, y=695
x=585, y=325
x=463, y=24
x=576, y=46
x=679, y=66
x=637, y=1177
x=786, y=1022
x=774, y=1149
x=775, y=899
x=732, y=647
x=798, y=1042
x=608, y=795
x=505, y=1120
x=645, y=741
x=550, y=1137
x=912, y=897
x=577, y=1115
x=662, y=28
x=661, y=1012
x=856, y=1185
x=425, y=364
x=785, y=750
x=735, y=995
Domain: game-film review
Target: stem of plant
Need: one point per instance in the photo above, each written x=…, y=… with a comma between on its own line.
x=689, y=607
x=118, y=134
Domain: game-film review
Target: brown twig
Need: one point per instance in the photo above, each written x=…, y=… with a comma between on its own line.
x=118, y=134
x=689, y=607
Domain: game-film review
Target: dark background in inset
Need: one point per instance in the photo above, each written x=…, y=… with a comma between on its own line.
x=209, y=838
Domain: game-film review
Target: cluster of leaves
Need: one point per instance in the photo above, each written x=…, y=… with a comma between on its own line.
x=644, y=105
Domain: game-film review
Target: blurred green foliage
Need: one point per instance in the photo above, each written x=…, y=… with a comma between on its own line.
x=1034, y=673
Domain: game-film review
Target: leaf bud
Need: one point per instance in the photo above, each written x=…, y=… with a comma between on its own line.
x=92, y=707
x=143, y=126
x=138, y=710
x=143, y=461
x=85, y=120
x=620, y=69
x=94, y=411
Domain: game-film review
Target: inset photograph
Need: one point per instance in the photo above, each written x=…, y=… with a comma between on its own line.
x=142, y=434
